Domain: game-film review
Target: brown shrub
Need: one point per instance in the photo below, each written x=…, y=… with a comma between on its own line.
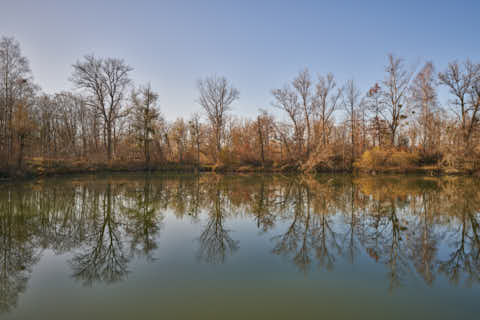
x=378, y=159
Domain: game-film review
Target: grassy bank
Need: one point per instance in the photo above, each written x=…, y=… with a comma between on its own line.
x=38, y=167
x=369, y=164
x=41, y=167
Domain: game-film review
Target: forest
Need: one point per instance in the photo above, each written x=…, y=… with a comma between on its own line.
x=108, y=122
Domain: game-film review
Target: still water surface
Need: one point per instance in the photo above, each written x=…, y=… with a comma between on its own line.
x=131, y=246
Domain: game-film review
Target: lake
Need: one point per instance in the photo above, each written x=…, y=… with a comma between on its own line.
x=138, y=246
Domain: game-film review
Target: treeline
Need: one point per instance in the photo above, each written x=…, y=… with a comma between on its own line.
x=399, y=123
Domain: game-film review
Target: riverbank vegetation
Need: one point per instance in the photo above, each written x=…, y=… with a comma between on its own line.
x=107, y=122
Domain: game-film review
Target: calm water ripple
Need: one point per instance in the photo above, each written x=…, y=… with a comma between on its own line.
x=131, y=246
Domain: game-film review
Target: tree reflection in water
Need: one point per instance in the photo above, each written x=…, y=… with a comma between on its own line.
x=427, y=227
x=102, y=256
x=309, y=232
x=215, y=241
x=19, y=250
x=144, y=219
x=464, y=236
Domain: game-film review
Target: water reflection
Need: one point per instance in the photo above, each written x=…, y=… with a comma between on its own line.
x=215, y=240
x=19, y=248
x=413, y=226
x=102, y=255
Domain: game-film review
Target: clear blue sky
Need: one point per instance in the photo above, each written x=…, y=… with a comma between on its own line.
x=258, y=45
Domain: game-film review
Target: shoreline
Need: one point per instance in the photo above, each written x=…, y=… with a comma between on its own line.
x=39, y=169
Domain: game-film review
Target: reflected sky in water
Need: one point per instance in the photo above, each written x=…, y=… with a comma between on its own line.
x=180, y=247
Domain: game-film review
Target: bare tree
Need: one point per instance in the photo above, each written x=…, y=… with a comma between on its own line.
x=287, y=100
x=216, y=98
x=264, y=127
x=352, y=104
x=145, y=113
x=463, y=82
x=196, y=134
x=374, y=105
x=105, y=80
x=14, y=71
x=326, y=102
x=179, y=135
x=23, y=127
x=395, y=89
x=303, y=84
x=424, y=97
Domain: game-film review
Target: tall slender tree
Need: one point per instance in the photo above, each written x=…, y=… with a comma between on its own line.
x=15, y=79
x=424, y=98
x=326, y=101
x=352, y=104
x=145, y=114
x=303, y=85
x=395, y=94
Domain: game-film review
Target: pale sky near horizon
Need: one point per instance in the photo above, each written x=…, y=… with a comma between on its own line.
x=257, y=45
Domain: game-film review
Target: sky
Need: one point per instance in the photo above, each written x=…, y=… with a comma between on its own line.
x=258, y=45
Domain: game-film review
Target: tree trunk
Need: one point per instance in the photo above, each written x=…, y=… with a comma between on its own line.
x=109, y=141
x=20, y=151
